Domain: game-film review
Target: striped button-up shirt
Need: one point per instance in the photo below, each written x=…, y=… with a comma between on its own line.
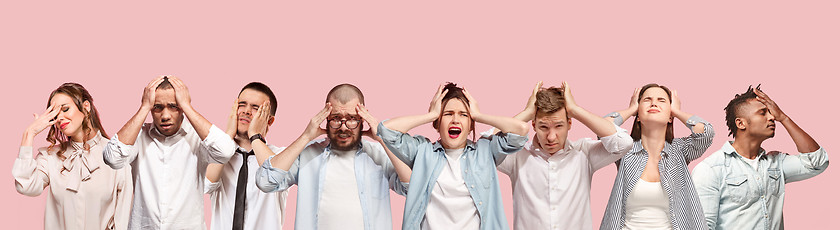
x=684, y=204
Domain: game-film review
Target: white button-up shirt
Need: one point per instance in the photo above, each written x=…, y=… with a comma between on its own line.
x=169, y=174
x=262, y=210
x=551, y=191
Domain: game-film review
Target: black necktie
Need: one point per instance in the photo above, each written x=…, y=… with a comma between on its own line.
x=239, y=207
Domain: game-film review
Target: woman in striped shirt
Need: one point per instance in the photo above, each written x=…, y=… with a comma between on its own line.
x=653, y=188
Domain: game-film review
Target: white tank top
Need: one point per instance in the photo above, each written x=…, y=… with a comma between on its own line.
x=647, y=207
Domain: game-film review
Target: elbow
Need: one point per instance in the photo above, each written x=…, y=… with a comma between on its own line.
x=522, y=129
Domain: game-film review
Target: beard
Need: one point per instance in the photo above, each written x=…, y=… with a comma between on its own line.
x=344, y=146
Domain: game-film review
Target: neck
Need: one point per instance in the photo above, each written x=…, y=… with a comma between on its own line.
x=243, y=141
x=747, y=146
x=80, y=137
x=653, y=140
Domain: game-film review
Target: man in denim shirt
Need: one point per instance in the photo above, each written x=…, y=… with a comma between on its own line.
x=343, y=180
x=743, y=187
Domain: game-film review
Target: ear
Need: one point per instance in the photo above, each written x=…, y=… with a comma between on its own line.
x=740, y=123
x=270, y=120
x=86, y=106
x=569, y=123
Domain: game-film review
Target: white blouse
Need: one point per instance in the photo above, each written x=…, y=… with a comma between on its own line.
x=84, y=192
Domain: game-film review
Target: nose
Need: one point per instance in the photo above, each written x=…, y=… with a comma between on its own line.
x=770, y=117
x=552, y=136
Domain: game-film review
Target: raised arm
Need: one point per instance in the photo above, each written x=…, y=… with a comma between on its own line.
x=402, y=170
x=30, y=175
x=683, y=116
x=600, y=126
x=804, y=142
x=182, y=97
x=214, y=171
x=504, y=124
x=128, y=133
x=119, y=149
x=287, y=157
x=405, y=123
x=630, y=111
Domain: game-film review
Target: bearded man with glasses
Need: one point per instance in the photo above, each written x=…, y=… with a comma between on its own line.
x=343, y=181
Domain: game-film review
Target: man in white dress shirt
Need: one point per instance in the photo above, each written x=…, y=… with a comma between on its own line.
x=168, y=157
x=552, y=176
x=237, y=203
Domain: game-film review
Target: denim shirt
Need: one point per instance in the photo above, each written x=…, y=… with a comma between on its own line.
x=374, y=175
x=478, y=162
x=736, y=196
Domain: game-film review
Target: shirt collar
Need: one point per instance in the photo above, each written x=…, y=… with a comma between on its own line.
x=729, y=150
x=535, y=149
x=154, y=132
x=437, y=147
x=638, y=149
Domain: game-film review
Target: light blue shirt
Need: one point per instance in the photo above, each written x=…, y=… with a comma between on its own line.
x=478, y=163
x=374, y=175
x=736, y=196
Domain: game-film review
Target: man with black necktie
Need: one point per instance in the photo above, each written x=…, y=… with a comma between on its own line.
x=237, y=202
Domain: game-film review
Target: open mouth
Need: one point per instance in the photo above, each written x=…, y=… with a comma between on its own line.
x=454, y=132
x=244, y=120
x=653, y=111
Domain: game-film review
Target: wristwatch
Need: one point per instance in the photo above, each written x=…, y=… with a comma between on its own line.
x=257, y=137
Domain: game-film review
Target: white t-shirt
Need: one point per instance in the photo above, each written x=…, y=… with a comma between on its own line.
x=340, y=193
x=450, y=205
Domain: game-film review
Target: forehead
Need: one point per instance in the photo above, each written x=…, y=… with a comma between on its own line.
x=655, y=92
x=164, y=96
x=454, y=104
x=343, y=108
x=751, y=106
x=252, y=96
x=60, y=99
x=558, y=116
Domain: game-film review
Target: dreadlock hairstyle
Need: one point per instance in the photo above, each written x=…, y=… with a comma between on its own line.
x=733, y=108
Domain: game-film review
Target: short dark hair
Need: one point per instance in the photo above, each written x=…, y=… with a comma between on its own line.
x=346, y=92
x=733, y=109
x=636, y=132
x=165, y=84
x=259, y=86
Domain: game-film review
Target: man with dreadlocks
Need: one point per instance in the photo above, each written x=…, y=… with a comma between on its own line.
x=741, y=186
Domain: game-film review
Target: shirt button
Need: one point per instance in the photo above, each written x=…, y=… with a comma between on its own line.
x=480, y=203
x=472, y=186
x=466, y=171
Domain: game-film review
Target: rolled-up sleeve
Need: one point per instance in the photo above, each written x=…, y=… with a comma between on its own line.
x=30, y=174
x=271, y=179
x=503, y=144
x=804, y=165
x=696, y=144
x=218, y=146
x=403, y=145
x=116, y=154
x=609, y=149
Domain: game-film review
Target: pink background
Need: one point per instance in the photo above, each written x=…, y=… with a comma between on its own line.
x=397, y=52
